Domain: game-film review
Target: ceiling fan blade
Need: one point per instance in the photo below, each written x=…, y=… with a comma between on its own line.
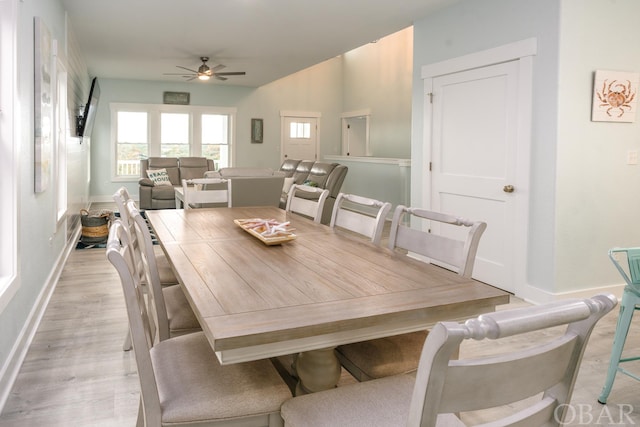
x=188, y=69
x=231, y=73
x=220, y=77
x=176, y=74
x=190, y=78
x=218, y=67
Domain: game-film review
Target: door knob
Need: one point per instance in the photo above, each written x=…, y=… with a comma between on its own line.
x=508, y=189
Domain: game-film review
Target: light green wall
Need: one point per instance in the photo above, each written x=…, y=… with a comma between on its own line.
x=597, y=192
x=471, y=26
x=39, y=246
x=582, y=192
x=325, y=88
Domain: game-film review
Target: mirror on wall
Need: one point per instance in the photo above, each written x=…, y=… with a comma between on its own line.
x=355, y=133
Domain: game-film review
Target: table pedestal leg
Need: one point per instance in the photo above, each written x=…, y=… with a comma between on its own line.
x=317, y=370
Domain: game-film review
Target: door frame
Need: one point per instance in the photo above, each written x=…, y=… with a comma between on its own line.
x=299, y=114
x=523, y=52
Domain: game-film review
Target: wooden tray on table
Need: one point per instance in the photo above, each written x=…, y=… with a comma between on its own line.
x=269, y=231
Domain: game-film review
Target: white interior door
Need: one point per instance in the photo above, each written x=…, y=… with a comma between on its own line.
x=474, y=149
x=300, y=138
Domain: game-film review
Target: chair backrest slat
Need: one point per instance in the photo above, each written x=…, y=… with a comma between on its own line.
x=458, y=254
x=142, y=332
x=358, y=218
x=311, y=207
x=147, y=261
x=549, y=367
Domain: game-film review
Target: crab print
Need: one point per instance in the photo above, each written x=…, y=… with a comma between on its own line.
x=617, y=96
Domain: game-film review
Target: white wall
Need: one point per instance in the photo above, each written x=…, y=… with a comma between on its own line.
x=598, y=194
x=378, y=76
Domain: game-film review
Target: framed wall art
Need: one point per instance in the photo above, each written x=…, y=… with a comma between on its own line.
x=256, y=131
x=615, y=96
x=43, y=106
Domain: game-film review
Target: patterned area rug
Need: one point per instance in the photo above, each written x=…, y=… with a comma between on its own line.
x=103, y=244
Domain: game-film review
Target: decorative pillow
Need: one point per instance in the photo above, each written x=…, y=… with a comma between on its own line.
x=159, y=177
x=288, y=182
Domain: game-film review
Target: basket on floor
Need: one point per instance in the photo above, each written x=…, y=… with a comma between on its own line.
x=95, y=225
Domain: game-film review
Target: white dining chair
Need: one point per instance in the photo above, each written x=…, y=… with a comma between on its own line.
x=530, y=386
x=167, y=277
x=121, y=197
x=173, y=315
x=200, y=191
x=307, y=200
x=181, y=381
x=400, y=353
x=361, y=215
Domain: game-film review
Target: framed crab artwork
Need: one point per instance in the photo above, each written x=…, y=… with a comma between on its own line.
x=615, y=96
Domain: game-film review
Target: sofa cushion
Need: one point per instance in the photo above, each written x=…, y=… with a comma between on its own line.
x=289, y=167
x=193, y=167
x=288, y=182
x=302, y=171
x=170, y=164
x=319, y=173
x=159, y=177
x=163, y=192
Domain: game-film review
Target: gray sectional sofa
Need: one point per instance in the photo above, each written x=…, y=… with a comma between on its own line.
x=249, y=186
x=163, y=196
x=318, y=174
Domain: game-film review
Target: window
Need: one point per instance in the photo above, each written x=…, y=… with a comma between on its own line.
x=300, y=130
x=61, y=123
x=215, y=137
x=132, y=142
x=8, y=154
x=174, y=134
x=140, y=131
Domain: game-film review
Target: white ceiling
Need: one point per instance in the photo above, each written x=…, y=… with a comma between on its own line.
x=268, y=39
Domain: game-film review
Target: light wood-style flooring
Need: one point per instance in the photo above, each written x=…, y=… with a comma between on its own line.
x=76, y=374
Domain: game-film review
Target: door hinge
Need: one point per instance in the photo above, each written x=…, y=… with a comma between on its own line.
x=430, y=165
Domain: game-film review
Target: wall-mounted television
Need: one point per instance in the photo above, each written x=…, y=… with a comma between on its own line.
x=85, y=122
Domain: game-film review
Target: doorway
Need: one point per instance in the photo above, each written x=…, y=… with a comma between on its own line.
x=477, y=139
x=299, y=132
x=355, y=133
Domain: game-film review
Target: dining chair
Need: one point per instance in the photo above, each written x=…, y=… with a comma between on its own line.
x=181, y=381
x=199, y=191
x=530, y=386
x=307, y=200
x=173, y=315
x=167, y=277
x=400, y=353
x=121, y=197
x=361, y=215
x=628, y=305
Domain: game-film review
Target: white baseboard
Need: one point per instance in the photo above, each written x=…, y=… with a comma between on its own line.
x=539, y=296
x=11, y=368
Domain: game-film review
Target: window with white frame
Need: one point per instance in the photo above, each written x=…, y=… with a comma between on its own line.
x=150, y=130
x=8, y=154
x=300, y=130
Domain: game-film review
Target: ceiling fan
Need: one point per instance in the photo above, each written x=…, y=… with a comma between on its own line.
x=204, y=72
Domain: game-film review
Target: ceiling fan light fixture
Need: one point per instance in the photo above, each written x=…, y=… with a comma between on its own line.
x=203, y=77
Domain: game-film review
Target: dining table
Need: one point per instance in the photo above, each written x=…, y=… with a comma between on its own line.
x=321, y=288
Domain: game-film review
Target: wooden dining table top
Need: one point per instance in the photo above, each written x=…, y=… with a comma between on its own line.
x=322, y=289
